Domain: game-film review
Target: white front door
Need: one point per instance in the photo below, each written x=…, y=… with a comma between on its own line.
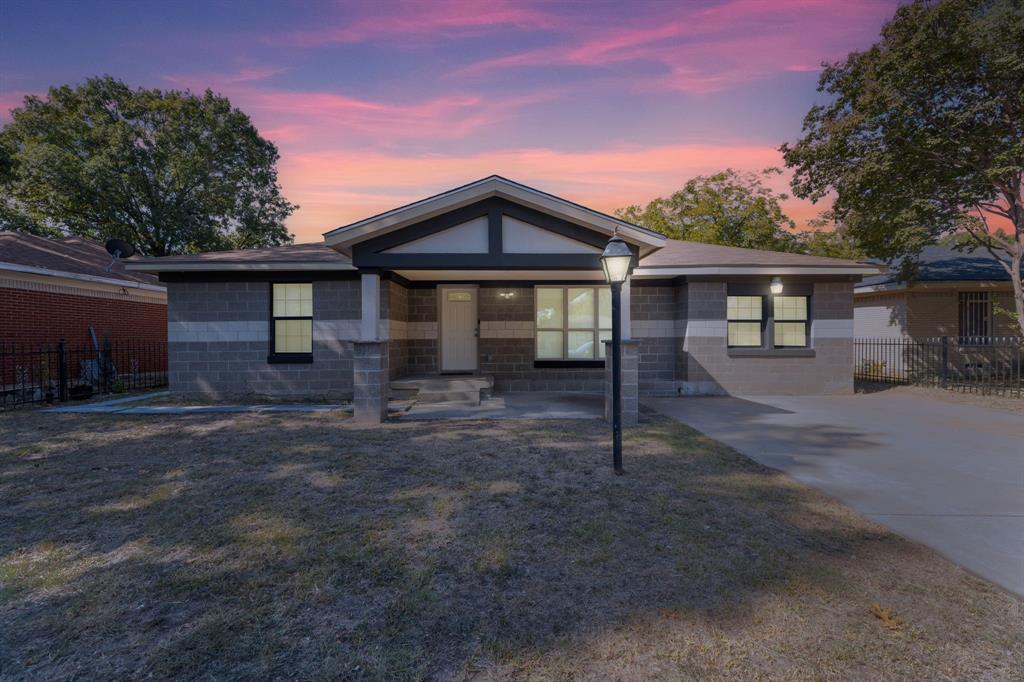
x=459, y=329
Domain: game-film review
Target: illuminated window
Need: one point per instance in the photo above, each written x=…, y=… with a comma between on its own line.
x=745, y=315
x=293, y=318
x=790, y=326
x=572, y=322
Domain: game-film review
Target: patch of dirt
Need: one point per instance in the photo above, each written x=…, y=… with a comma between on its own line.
x=951, y=395
x=308, y=546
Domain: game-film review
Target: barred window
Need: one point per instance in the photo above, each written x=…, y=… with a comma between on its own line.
x=975, y=317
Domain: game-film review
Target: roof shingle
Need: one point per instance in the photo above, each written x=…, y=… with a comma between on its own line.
x=68, y=254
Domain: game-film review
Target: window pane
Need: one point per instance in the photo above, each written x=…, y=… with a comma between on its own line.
x=790, y=334
x=602, y=336
x=549, y=345
x=293, y=336
x=604, y=307
x=549, y=310
x=745, y=334
x=790, y=307
x=581, y=307
x=744, y=307
x=581, y=345
x=293, y=300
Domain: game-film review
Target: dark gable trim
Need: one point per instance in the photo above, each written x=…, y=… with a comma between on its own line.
x=369, y=254
x=260, y=276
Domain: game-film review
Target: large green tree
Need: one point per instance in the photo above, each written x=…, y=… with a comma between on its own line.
x=923, y=134
x=730, y=208
x=170, y=171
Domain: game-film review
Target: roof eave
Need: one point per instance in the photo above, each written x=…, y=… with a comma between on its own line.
x=235, y=267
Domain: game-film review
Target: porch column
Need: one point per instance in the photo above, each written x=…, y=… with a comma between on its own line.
x=370, y=381
x=630, y=382
x=625, y=316
x=370, y=320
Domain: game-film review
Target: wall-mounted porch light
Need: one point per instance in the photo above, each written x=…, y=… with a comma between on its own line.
x=776, y=285
x=506, y=294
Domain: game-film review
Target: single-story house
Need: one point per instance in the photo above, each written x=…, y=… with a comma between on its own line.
x=60, y=288
x=953, y=293
x=498, y=279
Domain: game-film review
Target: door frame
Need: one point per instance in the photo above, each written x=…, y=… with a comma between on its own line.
x=441, y=289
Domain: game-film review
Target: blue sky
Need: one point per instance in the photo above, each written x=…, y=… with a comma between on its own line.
x=373, y=104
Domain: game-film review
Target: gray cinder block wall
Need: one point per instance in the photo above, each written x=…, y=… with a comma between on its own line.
x=219, y=339
x=710, y=369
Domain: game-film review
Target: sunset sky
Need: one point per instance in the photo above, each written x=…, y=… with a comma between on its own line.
x=375, y=104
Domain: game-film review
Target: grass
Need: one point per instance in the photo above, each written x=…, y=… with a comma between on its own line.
x=304, y=545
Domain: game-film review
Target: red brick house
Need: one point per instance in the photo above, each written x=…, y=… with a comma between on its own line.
x=58, y=288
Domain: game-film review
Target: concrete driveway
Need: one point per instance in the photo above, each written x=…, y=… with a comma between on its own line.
x=948, y=475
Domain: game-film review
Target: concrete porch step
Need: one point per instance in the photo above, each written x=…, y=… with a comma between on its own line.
x=443, y=389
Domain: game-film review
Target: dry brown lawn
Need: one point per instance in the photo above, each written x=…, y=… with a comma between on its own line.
x=304, y=546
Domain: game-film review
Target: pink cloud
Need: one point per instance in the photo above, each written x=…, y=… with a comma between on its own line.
x=335, y=188
x=424, y=21
x=703, y=50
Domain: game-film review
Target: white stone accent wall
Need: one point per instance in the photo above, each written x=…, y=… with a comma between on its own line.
x=255, y=330
x=506, y=330
x=831, y=329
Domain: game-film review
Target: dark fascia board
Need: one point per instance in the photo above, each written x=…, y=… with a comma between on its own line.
x=260, y=276
x=369, y=254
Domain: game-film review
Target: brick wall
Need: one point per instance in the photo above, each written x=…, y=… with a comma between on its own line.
x=219, y=341
x=933, y=313
x=36, y=317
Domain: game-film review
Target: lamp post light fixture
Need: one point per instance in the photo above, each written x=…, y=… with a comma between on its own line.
x=616, y=261
x=776, y=285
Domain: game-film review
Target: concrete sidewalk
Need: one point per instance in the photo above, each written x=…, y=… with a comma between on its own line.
x=514, y=406
x=948, y=475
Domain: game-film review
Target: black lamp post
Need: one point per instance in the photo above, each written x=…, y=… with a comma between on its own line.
x=616, y=260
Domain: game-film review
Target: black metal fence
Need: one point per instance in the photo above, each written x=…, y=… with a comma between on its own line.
x=993, y=365
x=62, y=371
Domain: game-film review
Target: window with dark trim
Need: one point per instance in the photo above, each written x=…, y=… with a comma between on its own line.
x=745, y=315
x=291, y=323
x=572, y=323
x=975, y=317
x=789, y=321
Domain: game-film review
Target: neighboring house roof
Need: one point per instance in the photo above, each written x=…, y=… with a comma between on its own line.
x=63, y=257
x=344, y=237
x=943, y=264
x=287, y=257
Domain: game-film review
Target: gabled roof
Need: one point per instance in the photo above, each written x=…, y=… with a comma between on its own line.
x=287, y=257
x=343, y=238
x=65, y=255
x=943, y=264
x=699, y=258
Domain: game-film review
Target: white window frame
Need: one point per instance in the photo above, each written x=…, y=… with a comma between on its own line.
x=565, y=329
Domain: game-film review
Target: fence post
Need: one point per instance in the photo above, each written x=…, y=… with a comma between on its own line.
x=944, y=375
x=62, y=373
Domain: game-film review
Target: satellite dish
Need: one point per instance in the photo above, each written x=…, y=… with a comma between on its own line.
x=118, y=248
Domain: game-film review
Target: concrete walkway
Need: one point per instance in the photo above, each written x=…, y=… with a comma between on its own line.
x=514, y=406
x=948, y=475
